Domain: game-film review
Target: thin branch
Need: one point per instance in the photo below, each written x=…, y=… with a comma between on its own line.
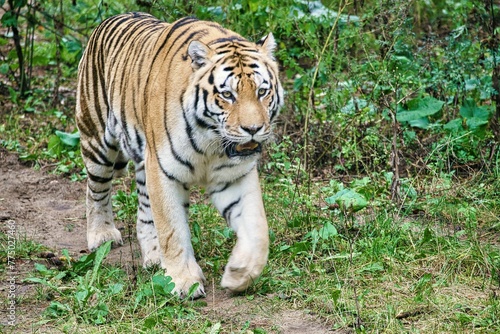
x=310, y=100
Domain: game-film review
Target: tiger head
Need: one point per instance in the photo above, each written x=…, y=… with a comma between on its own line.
x=244, y=94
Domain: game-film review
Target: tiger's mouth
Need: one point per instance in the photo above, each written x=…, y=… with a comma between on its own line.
x=243, y=150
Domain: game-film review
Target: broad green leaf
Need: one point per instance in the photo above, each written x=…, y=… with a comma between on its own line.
x=42, y=282
x=72, y=45
x=82, y=295
x=9, y=19
x=474, y=123
x=348, y=200
x=476, y=116
x=422, y=123
x=327, y=231
x=409, y=190
x=70, y=139
x=163, y=285
x=100, y=254
x=301, y=246
x=4, y=68
x=57, y=309
x=116, y=288
x=54, y=146
x=471, y=110
x=83, y=264
x=419, y=108
x=454, y=125
x=192, y=290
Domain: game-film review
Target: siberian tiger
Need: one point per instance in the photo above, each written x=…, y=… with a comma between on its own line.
x=191, y=103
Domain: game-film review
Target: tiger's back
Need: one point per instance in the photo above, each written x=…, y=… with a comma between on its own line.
x=190, y=103
x=112, y=76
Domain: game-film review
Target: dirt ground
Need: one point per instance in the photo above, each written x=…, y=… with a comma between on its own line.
x=50, y=210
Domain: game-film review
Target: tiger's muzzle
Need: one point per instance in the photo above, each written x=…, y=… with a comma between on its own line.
x=243, y=150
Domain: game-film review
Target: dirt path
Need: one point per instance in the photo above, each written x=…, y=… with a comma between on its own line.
x=46, y=208
x=50, y=210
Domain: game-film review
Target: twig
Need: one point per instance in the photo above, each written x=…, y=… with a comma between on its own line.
x=310, y=102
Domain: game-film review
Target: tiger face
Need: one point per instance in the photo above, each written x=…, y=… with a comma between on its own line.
x=245, y=95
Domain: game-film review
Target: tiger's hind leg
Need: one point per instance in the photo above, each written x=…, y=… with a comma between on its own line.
x=146, y=231
x=120, y=166
x=99, y=159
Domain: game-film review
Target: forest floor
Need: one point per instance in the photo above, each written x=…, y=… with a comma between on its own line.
x=49, y=209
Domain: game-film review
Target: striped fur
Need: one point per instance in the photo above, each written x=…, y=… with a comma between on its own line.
x=190, y=103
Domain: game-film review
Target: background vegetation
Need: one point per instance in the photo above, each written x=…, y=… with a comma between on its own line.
x=381, y=189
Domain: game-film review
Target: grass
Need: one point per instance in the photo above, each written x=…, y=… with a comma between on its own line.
x=430, y=266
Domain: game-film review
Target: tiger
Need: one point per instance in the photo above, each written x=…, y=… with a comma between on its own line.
x=190, y=103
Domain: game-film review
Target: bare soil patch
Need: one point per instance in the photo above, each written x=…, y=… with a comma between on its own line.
x=50, y=210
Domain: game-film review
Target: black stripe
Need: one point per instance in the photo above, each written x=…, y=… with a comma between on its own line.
x=230, y=39
x=203, y=124
x=248, y=50
x=206, y=111
x=110, y=145
x=98, y=179
x=105, y=190
x=227, y=210
x=176, y=155
x=120, y=165
x=189, y=132
x=173, y=28
x=218, y=168
x=92, y=156
x=102, y=155
x=138, y=139
x=196, y=35
x=143, y=194
x=165, y=172
x=99, y=199
x=224, y=187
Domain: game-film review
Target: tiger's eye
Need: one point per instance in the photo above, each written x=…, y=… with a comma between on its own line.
x=227, y=95
x=261, y=92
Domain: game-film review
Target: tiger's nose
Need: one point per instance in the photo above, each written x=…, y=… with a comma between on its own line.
x=252, y=129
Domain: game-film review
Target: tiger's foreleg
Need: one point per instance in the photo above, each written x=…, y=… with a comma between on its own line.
x=242, y=207
x=169, y=201
x=99, y=161
x=146, y=231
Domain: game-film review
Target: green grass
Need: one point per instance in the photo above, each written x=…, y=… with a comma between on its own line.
x=431, y=267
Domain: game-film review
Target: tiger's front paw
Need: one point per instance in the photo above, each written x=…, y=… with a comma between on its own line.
x=243, y=268
x=184, y=277
x=98, y=237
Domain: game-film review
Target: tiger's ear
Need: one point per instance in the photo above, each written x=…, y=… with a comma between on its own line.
x=268, y=43
x=199, y=53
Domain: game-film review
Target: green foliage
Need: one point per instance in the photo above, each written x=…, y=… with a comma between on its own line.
x=86, y=289
x=419, y=109
x=88, y=299
x=348, y=200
